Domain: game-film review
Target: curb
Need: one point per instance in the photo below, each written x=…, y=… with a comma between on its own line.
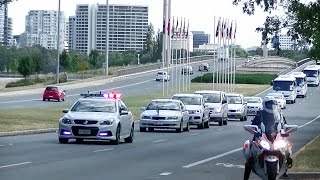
x=28, y=132
x=302, y=175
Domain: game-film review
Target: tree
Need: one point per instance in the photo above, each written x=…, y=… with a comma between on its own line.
x=38, y=61
x=149, y=44
x=95, y=59
x=26, y=66
x=65, y=60
x=14, y=64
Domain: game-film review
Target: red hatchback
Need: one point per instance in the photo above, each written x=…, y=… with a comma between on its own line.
x=54, y=92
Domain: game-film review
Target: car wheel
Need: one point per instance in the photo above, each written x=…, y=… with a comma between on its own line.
x=78, y=140
x=180, y=129
x=64, y=98
x=221, y=122
x=130, y=138
x=63, y=140
x=143, y=129
x=207, y=125
x=59, y=99
x=117, y=140
x=201, y=126
x=225, y=122
x=151, y=129
x=188, y=127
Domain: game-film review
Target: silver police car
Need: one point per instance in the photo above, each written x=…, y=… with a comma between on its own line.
x=97, y=116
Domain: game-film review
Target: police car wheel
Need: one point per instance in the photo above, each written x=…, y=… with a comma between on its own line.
x=130, y=138
x=117, y=140
x=143, y=129
x=63, y=140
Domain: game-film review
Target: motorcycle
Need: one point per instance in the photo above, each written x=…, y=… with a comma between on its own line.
x=270, y=152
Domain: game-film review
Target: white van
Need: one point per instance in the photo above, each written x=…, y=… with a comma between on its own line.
x=287, y=85
x=302, y=86
x=312, y=72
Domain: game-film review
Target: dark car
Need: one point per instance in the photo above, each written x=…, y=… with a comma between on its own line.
x=54, y=92
x=204, y=67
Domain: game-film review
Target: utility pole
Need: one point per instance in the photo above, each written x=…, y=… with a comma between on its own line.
x=107, y=38
x=5, y=27
x=58, y=44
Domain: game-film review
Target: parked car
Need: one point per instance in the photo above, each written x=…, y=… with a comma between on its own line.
x=54, y=92
x=237, y=108
x=254, y=104
x=163, y=76
x=218, y=106
x=204, y=67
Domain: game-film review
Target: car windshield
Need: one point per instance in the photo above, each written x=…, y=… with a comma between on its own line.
x=211, y=97
x=252, y=100
x=283, y=85
x=310, y=73
x=161, y=73
x=51, y=89
x=188, y=100
x=300, y=81
x=234, y=100
x=276, y=96
x=94, y=106
x=163, y=105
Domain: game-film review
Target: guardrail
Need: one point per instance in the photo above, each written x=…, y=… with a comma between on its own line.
x=303, y=61
x=267, y=60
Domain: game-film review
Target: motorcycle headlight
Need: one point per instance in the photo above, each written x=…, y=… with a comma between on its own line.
x=265, y=144
x=280, y=144
x=66, y=121
x=107, y=122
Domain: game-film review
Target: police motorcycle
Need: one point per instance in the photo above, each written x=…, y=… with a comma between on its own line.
x=269, y=153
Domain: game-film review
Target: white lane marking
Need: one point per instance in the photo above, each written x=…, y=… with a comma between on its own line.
x=228, y=165
x=161, y=140
x=194, y=134
x=220, y=129
x=1, y=145
x=233, y=151
x=128, y=85
x=12, y=165
x=165, y=173
x=211, y=158
x=102, y=150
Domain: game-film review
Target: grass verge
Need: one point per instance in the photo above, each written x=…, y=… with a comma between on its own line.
x=47, y=117
x=309, y=159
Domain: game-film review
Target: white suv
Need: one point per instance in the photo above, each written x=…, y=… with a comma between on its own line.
x=163, y=76
x=218, y=105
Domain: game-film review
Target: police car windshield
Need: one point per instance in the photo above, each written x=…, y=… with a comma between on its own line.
x=94, y=106
x=188, y=100
x=311, y=73
x=163, y=105
x=252, y=100
x=234, y=100
x=211, y=98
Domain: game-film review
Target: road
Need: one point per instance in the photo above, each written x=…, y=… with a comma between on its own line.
x=131, y=86
x=213, y=153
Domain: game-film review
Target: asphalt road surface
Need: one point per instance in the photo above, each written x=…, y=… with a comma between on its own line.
x=213, y=153
x=131, y=86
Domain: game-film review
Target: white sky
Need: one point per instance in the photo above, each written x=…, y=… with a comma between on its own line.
x=201, y=14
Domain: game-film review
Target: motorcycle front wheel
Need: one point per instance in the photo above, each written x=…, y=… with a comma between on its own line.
x=272, y=170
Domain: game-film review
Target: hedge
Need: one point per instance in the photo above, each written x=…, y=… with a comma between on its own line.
x=240, y=78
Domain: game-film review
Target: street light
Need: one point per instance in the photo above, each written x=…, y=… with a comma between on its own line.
x=107, y=38
x=58, y=45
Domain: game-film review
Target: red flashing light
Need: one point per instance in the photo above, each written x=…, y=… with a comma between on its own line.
x=113, y=95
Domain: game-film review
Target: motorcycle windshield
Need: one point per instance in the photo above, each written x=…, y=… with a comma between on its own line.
x=270, y=119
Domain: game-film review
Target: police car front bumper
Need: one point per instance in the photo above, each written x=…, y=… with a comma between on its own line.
x=165, y=124
x=101, y=132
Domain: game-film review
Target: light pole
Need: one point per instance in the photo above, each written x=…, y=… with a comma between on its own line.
x=138, y=58
x=107, y=37
x=58, y=45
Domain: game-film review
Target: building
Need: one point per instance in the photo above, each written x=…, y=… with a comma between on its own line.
x=209, y=48
x=8, y=33
x=41, y=29
x=182, y=43
x=128, y=27
x=286, y=42
x=200, y=38
x=72, y=33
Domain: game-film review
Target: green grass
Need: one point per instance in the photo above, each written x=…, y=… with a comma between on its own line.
x=309, y=159
x=257, y=78
x=47, y=117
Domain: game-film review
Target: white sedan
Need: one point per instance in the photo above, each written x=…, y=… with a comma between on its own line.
x=254, y=104
x=280, y=99
x=164, y=114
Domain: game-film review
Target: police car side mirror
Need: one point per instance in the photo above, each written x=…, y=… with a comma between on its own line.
x=142, y=108
x=124, y=112
x=65, y=110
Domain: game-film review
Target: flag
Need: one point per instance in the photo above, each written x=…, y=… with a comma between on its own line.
x=164, y=26
x=180, y=30
x=172, y=30
x=235, y=30
x=222, y=28
x=225, y=27
x=184, y=27
x=218, y=28
x=230, y=31
x=187, y=33
x=227, y=34
x=177, y=26
x=168, y=27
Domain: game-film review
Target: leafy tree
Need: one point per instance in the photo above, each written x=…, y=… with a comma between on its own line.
x=95, y=59
x=149, y=44
x=38, y=61
x=14, y=64
x=26, y=66
x=65, y=60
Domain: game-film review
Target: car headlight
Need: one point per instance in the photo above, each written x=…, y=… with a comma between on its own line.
x=173, y=117
x=145, y=117
x=218, y=110
x=197, y=111
x=280, y=144
x=107, y=122
x=66, y=121
x=265, y=144
x=239, y=109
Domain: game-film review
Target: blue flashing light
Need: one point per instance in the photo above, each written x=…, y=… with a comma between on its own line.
x=65, y=132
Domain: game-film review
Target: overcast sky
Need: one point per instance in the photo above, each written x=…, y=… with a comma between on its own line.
x=201, y=14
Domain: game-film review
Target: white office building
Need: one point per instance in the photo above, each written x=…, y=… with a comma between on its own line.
x=286, y=42
x=41, y=29
x=128, y=27
x=182, y=43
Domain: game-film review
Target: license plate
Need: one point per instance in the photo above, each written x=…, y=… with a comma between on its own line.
x=51, y=96
x=158, y=123
x=84, y=131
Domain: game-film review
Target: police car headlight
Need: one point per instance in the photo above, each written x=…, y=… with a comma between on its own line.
x=107, y=122
x=66, y=121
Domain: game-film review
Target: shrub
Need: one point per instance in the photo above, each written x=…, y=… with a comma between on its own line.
x=240, y=78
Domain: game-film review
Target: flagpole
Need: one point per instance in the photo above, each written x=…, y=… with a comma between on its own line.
x=188, y=57
x=164, y=44
x=168, y=50
x=180, y=53
x=234, y=56
x=231, y=58
x=183, y=53
x=218, y=54
x=176, y=47
x=172, y=57
x=228, y=54
x=214, y=52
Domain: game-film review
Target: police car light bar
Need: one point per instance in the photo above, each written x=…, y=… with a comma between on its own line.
x=110, y=95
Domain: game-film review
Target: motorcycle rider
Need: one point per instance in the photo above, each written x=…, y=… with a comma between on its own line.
x=270, y=110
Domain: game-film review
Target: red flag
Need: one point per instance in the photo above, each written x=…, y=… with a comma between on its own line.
x=168, y=27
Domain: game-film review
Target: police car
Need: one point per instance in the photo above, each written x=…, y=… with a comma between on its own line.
x=97, y=116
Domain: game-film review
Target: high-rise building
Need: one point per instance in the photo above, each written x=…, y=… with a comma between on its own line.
x=8, y=33
x=286, y=42
x=128, y=26
x=72, y=33
x=41, y=29
x=200, y=38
